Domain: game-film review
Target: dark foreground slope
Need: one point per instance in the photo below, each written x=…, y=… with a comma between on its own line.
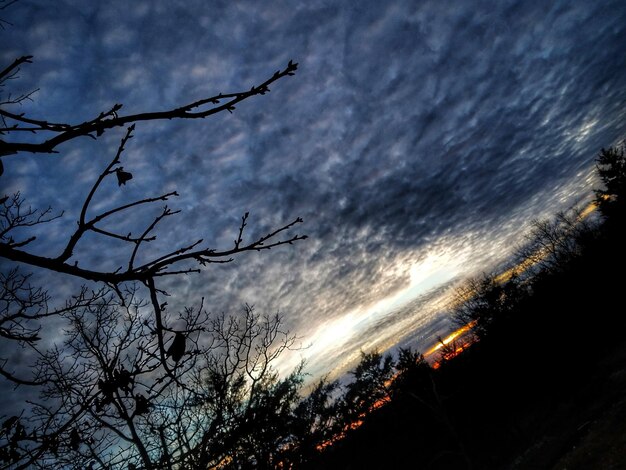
x=544, y=388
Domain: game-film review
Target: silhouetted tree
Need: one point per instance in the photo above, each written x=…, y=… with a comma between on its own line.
x=413, y=377
x=611, y=167
x=369, y=386
x=110, y=403
x=318, y=421
x=124, y=388
x=485, y=302
x=553, y=243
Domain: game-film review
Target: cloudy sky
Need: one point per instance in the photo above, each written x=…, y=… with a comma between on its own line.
x=417, y=141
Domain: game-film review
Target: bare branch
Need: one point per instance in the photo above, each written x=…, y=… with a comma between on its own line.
x=212, y=256
x=144, y=236
x=14, y=216
x=107, y=171
x=9, y=71
x=111, y=119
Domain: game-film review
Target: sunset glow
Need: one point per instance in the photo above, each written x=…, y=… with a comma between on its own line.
x=353, y=425
x=198, y=272
x=449, y=339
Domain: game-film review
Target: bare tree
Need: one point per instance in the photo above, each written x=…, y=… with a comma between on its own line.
x=111, y=403
x=553, y=243
x=124, y=387
x=482, y=304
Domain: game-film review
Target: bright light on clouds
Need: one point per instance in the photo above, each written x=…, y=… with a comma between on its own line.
x=417, y=141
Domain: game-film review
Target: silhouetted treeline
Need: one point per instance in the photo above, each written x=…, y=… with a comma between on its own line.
x=543, y=342
x=546, y=340
x=519, y=396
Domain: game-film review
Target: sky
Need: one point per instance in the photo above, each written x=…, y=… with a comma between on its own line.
x=417, y=140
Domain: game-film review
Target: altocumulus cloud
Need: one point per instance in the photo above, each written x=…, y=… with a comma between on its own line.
x=415, y=136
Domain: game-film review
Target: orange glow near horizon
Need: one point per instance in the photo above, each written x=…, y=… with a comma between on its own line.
x=503, y=277
x=452, y=354
x=448, y=339
x=537, y=257
x=355, y=424
x=222, y=463
x=455, y=335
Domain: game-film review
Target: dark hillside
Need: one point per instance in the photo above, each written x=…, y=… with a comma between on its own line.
x=543, y=387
